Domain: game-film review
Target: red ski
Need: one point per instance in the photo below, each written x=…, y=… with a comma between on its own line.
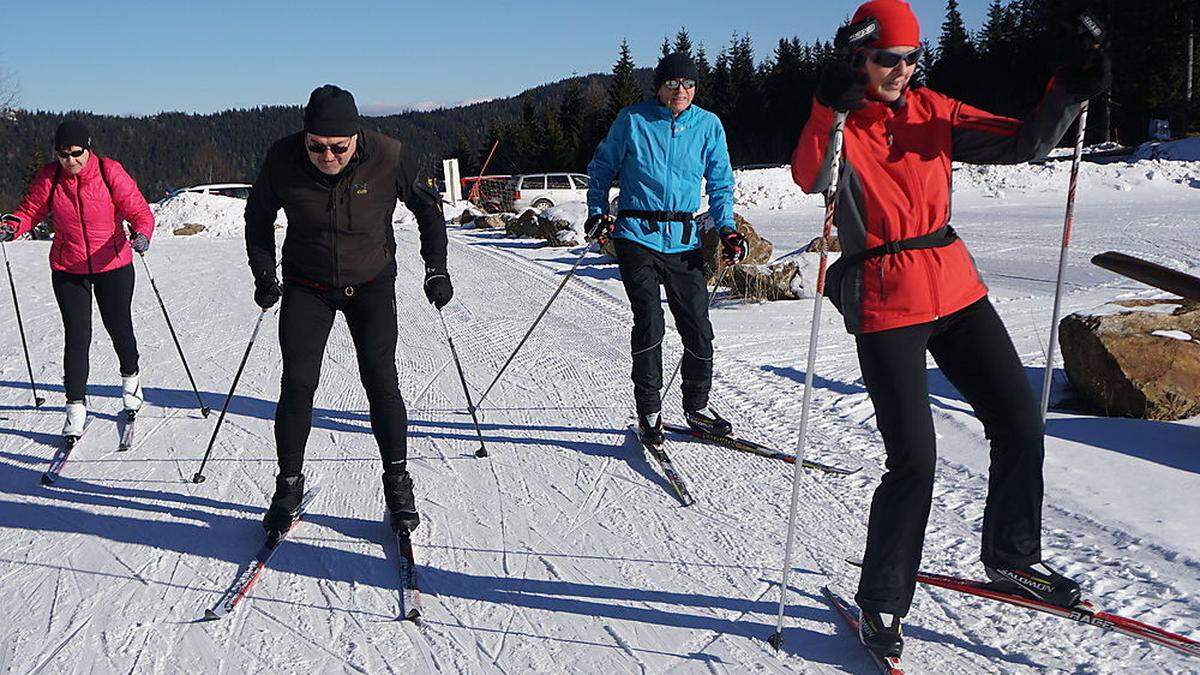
x=1084, y=612
x=888, y=665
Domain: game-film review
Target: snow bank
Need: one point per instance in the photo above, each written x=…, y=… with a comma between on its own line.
x=1184, y=150
x=225, y=216
x=576, y=214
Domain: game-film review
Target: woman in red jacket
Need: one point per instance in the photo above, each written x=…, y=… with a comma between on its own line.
x=88, y=198
x=906, y=285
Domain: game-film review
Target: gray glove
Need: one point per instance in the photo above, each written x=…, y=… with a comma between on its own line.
x=140, y=243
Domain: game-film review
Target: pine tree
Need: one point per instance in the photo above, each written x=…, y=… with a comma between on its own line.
x=703, y=79
x=624, y=89
x=665, y=47
x=954, y=71
x=571, y=119
x=683, y=42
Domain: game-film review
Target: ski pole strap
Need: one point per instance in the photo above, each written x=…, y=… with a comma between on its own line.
x=943, y=236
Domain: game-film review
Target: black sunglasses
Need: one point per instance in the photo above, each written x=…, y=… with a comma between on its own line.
x=888, y=59
x=675, y=83
x=320, y=148
x=63, y=154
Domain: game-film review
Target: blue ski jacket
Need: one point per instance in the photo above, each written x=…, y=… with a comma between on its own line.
x=661, y=160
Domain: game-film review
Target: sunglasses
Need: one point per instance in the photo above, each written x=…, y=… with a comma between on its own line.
x=320, y=148
x=888, y=59
x=63, y=154
x=674, y=84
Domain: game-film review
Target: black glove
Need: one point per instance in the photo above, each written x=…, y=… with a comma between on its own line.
x=733, y=247
x=437, y=286
x=599, y=228
x=267, y=290
x=8, y=227
x=1087, y=71
x=140, y=243
x=842, y=86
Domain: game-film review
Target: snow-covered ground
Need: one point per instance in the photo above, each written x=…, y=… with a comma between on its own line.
x=565, y=551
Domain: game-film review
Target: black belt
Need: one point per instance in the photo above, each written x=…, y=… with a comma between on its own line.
x=348, y=291
x=943, y=236
x=658, y=216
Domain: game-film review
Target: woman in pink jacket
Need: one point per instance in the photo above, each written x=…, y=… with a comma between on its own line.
x=89, y=198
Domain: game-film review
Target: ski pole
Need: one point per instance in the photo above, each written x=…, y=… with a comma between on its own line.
x=1093, y=28
x=858, y=36
x=711, y=297
x=482, y=451
x=541, y=314
x=199, y=477
x=170, y=327
x=37, y=400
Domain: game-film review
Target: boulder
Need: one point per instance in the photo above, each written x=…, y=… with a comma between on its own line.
x=188, y=230
x=466, y=217
x=1135, y=358
x=832, y=244
x=525, y=226
x=780, y=281
x=488, y=222
x=759, y=250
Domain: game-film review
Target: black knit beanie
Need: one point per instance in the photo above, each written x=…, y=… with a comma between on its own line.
x=331, y=112
x=72, y=132
x=675, y=65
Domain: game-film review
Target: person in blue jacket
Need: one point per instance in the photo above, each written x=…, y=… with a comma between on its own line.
x=663, y=151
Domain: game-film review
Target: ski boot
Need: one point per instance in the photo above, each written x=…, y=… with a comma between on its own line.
x=281, y=514
x=650, y=429
x=131, y=392
x=74, y=423
x=401, y=503
x=881, y=633
x=1036, y=581
x=708, y=421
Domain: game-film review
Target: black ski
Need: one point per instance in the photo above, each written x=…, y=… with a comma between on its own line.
x=743, y=445
x=888, y=665
x=250, y=575
x=659, y=453
x=128, y=417
x=410, y=594
x=1153, y=274
x=62, y=454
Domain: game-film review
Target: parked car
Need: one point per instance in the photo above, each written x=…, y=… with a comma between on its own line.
x=543, y=190
x=236, y=190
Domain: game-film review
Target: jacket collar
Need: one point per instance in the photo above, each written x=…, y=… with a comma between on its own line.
x=877, y=110
x=663, y=112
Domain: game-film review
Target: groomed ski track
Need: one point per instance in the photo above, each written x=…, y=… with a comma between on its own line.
x=565, y=551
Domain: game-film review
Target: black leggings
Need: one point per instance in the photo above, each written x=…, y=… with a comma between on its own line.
x=114, y=294
x=974, y=352
x=642, y=272
x=304, y=324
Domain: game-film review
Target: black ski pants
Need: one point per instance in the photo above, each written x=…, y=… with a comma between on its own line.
x=642, y=272
x=304, y=324
x=114, y=295
x=974, y=352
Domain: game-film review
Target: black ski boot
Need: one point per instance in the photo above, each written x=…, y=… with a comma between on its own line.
x=401, y=504
x=708, y=421
x=881, y=633
x=650, y=429
x=1036, y=581
x=281, y=514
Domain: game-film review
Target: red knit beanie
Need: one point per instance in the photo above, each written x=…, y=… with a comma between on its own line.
x=897, y=23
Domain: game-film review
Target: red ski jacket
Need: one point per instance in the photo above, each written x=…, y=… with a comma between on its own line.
x=896, y=185
x=88, y=210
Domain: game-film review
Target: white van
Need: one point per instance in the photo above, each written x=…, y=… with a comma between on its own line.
x=543, y=190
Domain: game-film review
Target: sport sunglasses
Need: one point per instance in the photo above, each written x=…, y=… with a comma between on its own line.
x=63, y=154
x=320, y=148
x=888, y=59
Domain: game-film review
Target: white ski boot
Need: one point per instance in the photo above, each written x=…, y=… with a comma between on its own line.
x=131, y=392
x=76, y=418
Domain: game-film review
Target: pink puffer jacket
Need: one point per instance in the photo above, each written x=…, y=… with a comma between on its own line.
x=88, y=236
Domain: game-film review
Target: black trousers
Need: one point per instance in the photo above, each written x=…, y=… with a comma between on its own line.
x=974, y=352
x=114, y=295
x=642, y=271
x=305, y=320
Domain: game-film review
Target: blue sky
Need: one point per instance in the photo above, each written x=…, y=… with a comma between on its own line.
x=142, y=57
